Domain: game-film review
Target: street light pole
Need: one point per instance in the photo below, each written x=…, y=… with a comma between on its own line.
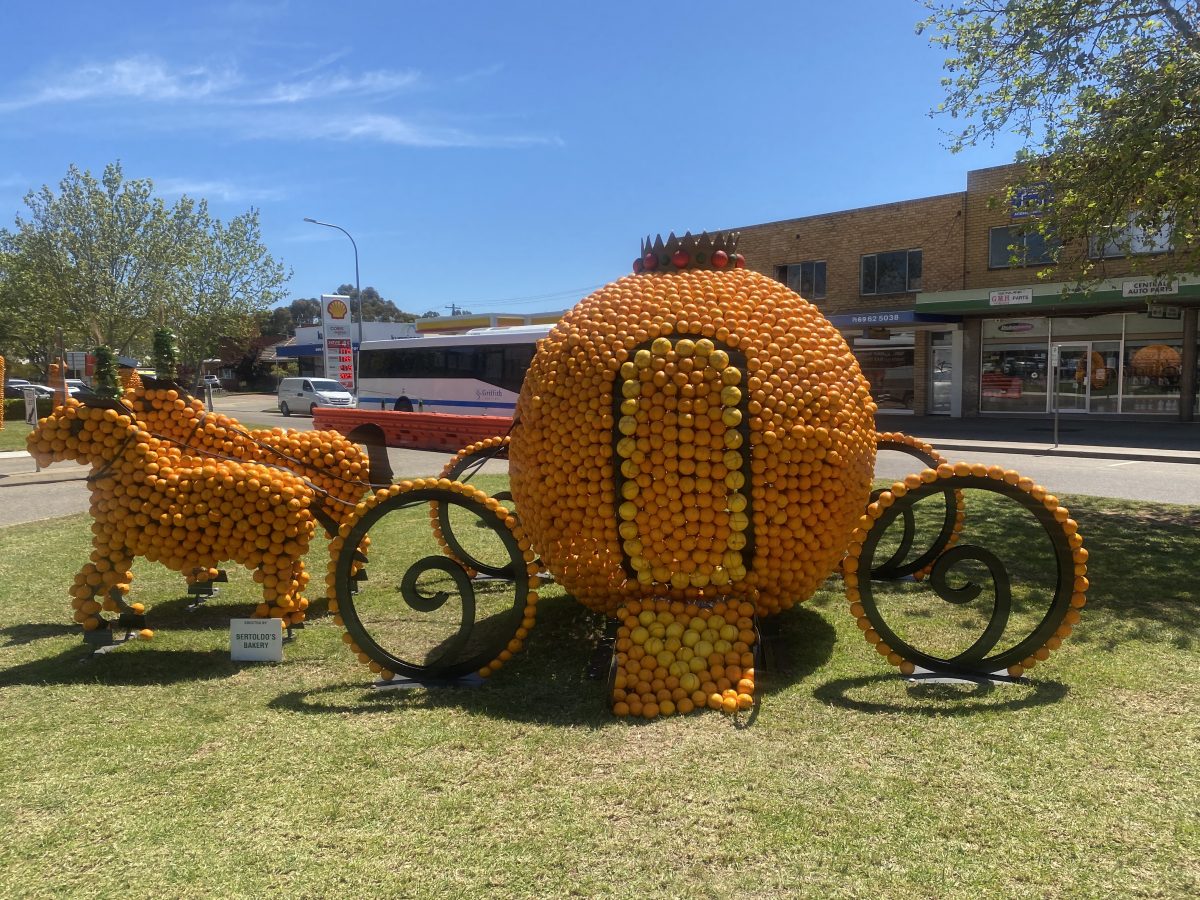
x=357, y=291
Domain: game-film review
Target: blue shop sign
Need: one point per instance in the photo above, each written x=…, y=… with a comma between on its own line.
x=890, y=318
x=1030, y=200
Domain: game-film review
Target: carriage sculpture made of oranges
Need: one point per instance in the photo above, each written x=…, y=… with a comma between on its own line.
x=692, y=453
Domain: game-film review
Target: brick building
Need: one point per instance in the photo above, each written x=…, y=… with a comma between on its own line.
x=943, y=322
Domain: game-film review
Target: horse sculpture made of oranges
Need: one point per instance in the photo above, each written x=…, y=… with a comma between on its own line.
x=693, y=450
x=189, y=489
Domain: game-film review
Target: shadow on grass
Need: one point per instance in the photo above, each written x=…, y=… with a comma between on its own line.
x=143, y=666
x=1142, y=569
x=185, y=614
x=28, y=632
x=939, y=700
x=550, y=682
x=1140, y=565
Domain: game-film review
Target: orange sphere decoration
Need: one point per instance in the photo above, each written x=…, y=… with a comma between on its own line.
x=693, y=433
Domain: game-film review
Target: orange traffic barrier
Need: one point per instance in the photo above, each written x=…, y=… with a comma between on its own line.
x=416, y=431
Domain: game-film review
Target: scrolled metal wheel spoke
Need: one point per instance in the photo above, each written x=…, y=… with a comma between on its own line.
x=430, y=585
x=895, y=566
x=461, y=468
x=952, y=584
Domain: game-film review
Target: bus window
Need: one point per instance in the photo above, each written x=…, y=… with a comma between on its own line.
x=491, y=366
x=517, y=358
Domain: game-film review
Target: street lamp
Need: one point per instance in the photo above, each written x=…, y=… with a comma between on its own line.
x=357, y=291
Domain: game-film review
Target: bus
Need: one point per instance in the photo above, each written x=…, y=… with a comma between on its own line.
x=477, y=373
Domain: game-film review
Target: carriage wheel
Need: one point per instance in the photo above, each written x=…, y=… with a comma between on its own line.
x=426, y=618
x=1019, y=629
x=458, y=546
x=898, y=565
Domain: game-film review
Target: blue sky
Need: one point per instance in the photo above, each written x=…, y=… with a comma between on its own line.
x=501, y=156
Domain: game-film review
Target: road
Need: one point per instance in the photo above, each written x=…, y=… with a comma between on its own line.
x=62, y=491
x=1122, y=479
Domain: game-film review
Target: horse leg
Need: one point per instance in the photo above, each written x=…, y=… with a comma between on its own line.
x=105, y=576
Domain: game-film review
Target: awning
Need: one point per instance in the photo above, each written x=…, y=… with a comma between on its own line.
x=1114, y=293
x=297, y=349
x=890, y=318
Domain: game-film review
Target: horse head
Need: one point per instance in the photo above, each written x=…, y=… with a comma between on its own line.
x=93, y=432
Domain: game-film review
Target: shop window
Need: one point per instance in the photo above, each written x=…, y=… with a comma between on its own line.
x=806, y=278
x=1030, y=248
x=1013, y=378
x=1151, y=376
x=1129, y=239
x=893, y=272
x=890, y=372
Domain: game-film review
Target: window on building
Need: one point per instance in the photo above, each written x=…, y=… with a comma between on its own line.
x=1029, y=247
x=894, y=272
x=1128, y=239
x=806, y=278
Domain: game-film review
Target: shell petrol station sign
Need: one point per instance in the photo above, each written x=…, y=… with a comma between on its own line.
x=335, y=332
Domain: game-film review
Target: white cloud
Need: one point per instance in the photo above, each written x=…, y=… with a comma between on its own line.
x=389, y=129
x=137, y=77
x=370, y=84
x=201, y=96
x=225, y=191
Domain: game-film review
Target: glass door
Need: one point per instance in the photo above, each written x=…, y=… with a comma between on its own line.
x=941, y=379
x=1072, y=378
x=1105, y=377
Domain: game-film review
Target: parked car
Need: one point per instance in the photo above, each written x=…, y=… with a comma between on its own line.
x=12, y=388
x=211, y=381
x=306, y=394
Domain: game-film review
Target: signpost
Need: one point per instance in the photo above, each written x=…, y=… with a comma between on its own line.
x=1054, y=388
x=337, y=338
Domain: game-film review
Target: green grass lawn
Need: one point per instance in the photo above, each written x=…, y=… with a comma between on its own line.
x=12, y=437
x=164, y=769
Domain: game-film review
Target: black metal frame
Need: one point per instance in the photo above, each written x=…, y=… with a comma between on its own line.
x=417, y=601
x=895, y=567
x=476, y=458
x=973, y=660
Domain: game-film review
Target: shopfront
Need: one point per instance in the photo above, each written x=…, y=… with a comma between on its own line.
x=1114, y=363
x=902, y=379
x=1050, y=351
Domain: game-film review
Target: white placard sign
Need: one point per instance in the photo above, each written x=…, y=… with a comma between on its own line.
x=1148, y=287
x=258, y=640
x=1018, y=297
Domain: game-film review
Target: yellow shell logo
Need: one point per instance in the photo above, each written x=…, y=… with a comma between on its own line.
x=338, y=309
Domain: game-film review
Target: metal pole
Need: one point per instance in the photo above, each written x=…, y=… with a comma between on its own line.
x=358, y=296
x=1054, y=355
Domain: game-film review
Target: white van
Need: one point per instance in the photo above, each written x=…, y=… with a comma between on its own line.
x=306, y=394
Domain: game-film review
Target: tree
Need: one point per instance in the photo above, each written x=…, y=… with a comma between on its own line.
x=105, y=262
x=99, y=256
x=228, y=278
x=1105, y=95
x=374, y=307
x=305, y=311
x=277, y=321
x=29, y=329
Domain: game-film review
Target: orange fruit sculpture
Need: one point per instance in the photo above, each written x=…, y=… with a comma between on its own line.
x=693, y=432
x=694, y=445
x=190, y=489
